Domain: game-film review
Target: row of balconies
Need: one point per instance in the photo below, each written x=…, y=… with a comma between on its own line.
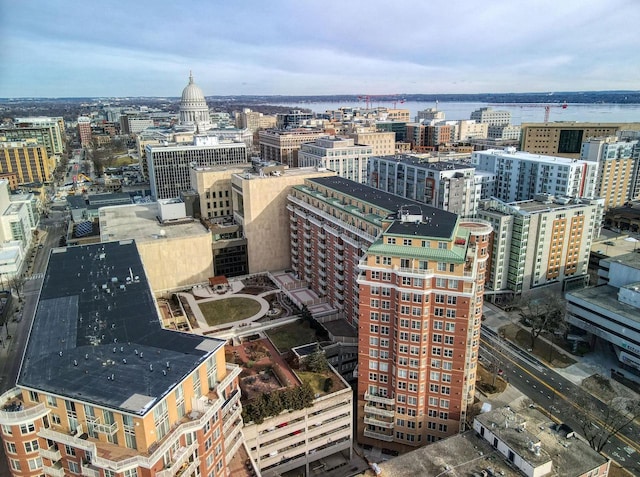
x=379, y=399
x=379, y=411
x=378, y=436
x=178, y=460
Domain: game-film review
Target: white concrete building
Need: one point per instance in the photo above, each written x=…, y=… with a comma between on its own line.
x=342, y=155
x=491, y=116
x=446, y=185
x=522, y=175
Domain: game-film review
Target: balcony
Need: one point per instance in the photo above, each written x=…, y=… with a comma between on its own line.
x=339, y=267
x=179, y=460
x=322, y=245
x=307, y=226
x=56, y=470
x=379, y=411
x=378, y=436
x=379, y=399
x=294, y=235
x=15, y=411
x=322, y=272
x=307, y=236
x=376, y=422
x=339, y=247
x=108, y=429
x=307, y=262
x=52, y=453
x=339, y=286
x=321, y=255
x=307, y=253
x=89, y=470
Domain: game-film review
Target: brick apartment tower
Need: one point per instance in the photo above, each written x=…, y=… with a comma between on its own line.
x=421, y=287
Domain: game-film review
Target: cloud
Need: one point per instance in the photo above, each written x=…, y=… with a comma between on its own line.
x=146, y=47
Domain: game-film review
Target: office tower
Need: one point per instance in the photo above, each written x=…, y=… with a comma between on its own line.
x=103, y=390
x=565, y=138
x=27, y=159
x=468, y=129
x=293, y=119
x=84, y=131
x=283, y=145
x=421, y=287
x=168, y=164
x=522, y=175
x=342, y=155
x=618, y=169
x=449, y=186
x=541, y=242
x=491, y=116
x=504, y=132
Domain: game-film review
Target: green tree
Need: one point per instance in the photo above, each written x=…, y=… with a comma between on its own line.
x=316, y=361
x=543, y=314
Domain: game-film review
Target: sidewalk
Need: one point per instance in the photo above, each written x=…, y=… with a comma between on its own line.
x=598, y=361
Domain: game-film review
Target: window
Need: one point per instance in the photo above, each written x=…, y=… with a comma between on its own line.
x=131, y=473
x=442, y=267
x=74, y=467
x=51, y=401
x=68, y=450
x=31, y=446
x=15, y=464
x=35, y=464
x=27, y=428
x=6, y=430
x=11, y=447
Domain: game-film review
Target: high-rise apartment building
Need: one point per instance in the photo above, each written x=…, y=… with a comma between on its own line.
x=421, y=287
x=56, y=124
x=84, y=131
x=341, y=155
x=448, y=186
x=283, y=145
x=253, y=120
x=43, y=135
x=430, y=114
x=541, y=242
x=504, y=132
x=168, y=164
x=491, y=116
x=28, y=160
x=428, y=136
x=103, y=390
x=618, y=169
x=469, y=129
x=522, y=175
x=293, y=119
x=565, y=138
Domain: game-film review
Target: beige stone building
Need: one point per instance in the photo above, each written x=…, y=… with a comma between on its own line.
x=470, y=129
x=565, y=138
x=260, y=206
x=175, y=253
x=213, y=185
x=283, y=145
x=382, y=143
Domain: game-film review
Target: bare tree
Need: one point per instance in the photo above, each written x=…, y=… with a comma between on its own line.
x=543, y=314
x=16, y=283
x=618, y=414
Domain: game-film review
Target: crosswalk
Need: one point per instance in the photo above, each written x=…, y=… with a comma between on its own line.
x=36, y=276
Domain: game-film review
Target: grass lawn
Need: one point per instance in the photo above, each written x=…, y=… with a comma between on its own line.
x=484, y=381
x=541, y=349
x=289, y=336
x=125, y=161
x=317, y=380
x=228, y=310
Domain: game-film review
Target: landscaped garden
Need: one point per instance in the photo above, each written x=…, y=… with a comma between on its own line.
x=228, y=310
x=294, y=334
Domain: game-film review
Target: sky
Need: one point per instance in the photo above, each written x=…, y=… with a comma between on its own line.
x=64, y=48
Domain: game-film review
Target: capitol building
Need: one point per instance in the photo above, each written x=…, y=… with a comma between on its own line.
x=193, y=107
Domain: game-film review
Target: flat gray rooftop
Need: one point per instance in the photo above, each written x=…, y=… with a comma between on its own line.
x=96, y=336
x=605, y=297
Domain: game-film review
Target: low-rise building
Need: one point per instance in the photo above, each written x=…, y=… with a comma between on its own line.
x=279, y=145
x=611, y=311
x=341, y=155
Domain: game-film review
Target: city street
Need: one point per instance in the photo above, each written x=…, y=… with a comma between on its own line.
x=50, y=231
x=557, y=395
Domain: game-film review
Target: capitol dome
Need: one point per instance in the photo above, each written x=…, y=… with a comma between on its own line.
x=193, y=106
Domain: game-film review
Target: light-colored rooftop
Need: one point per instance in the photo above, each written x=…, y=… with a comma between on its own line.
x=605, y=297
x=527, y=156
x=140, y=222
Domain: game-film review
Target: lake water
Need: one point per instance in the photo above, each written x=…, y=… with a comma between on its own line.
x=592, y=113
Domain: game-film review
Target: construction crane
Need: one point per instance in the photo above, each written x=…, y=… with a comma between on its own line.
x=382, y=97
x=547, y=107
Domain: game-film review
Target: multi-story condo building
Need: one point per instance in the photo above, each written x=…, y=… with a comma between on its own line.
x=43, y=135
x=342, y=155
x=471, y=129
x=84, y=131
x=293, y=119
x=428, y=136
x=565, y=139
x=541, y=242
x=491, y=116
x=283, y=145
x=618, y=169
x=398, y=127
x=381, y=143
x=504, y=132
x=522, y=175
x=429, y=115
x=446, y=185
x=253, y=120
x=104, y=391
x=27, y=159
x=610, y=311
x=56, y=124
x=169, y=164
x=135, y=124
x=421, y=287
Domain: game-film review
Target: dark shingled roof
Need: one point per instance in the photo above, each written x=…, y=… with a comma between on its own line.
x=436, y=222
x=97, y=334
